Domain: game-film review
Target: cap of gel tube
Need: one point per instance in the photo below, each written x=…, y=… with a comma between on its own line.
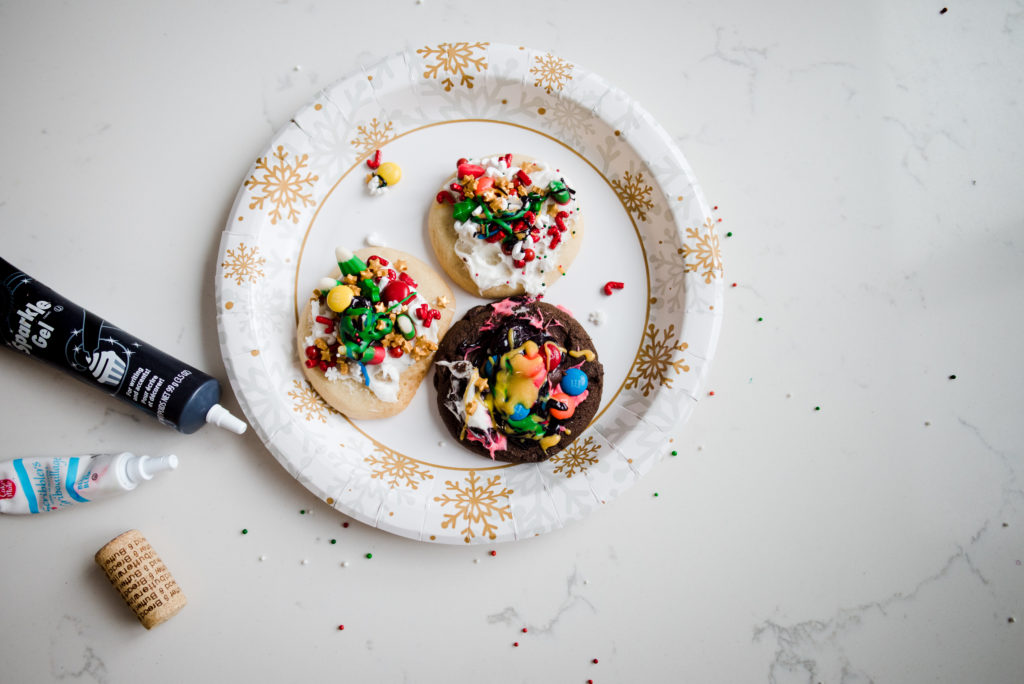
x=222, y=418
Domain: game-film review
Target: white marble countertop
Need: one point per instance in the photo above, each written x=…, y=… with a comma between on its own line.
x=865, y=158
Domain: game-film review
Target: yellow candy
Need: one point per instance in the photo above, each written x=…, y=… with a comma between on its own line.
x=390, y=173
x=339, y=298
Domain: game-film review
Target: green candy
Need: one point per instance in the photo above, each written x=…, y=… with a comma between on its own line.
x=463, y=210
x=371, y=288
x=559, y=192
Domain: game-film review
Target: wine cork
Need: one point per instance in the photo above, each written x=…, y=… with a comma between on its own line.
x=138, y=573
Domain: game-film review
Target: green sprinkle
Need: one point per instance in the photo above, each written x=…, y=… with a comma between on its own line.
x=729, y=234
x=302, y=512
x=655, y=493
x=675, y=453
x=369, y=555
x=817, y=408
x=334, y=541
x=760, y=318
x=245, y=531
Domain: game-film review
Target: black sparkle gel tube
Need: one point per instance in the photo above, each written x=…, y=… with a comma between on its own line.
x=36, y=321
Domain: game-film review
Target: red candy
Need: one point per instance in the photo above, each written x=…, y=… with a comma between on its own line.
x=529, y=255
x=523, y=178
x=443, y=197
x=395, y=351
x=374, y=161
x=395, y=291
x=484, y=184
x=560, y=220
x=612, y=285
x=552, y=356
x=518, y=263
x=378, y=355
x=508, y=162
x=471, y=170
x=380, y=260
x=427, y=315
x=407, y=279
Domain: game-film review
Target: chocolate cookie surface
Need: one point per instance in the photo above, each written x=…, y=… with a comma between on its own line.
x=517, y=380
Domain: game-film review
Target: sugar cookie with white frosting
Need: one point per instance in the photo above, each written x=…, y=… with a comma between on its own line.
x=505, y=225
x=368, y=334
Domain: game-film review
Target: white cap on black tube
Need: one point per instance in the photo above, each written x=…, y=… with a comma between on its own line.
x=222, y=418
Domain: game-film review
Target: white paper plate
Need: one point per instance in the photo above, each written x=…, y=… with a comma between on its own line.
x=647, y=225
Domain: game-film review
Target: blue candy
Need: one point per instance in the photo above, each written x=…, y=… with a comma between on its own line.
x=520, y=412
x=574, y=382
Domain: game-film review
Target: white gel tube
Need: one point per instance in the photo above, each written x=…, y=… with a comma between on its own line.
x=41, y=485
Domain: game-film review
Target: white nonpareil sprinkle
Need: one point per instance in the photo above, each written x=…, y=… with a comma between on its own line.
x=597, y=317
x=305, y=561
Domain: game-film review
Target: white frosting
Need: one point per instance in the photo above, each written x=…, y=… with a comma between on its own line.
x=384, y=376
x=488, y=265
x=375, y=185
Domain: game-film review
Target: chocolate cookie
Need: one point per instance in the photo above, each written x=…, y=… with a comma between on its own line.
x=517, y=380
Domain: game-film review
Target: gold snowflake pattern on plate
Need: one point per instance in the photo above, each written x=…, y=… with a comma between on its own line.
x=395, y=469
x=243, y=264
x=576, y=457
x=634, y=194
x=454, y=59
x=656, y=359
x=551, y=72
x=476, y=504
x=283, y=184
x=372, y=135
x=705, y=252
x=306, y=401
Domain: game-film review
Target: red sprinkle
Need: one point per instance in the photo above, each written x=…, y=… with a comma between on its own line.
x=560, y=220
x=374, y=161
x=494, y=553
x=711, y=393
x=612, y=285
x=523, y=178
x=515, y=643
x=443, y=197
x=595, y=661
x=524, y=630
x=395, y=352
x=341, y=627
x=310, y=363
x=508, y=160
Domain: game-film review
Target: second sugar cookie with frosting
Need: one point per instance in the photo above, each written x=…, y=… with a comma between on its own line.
x=368, y=334
x=505, y=225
